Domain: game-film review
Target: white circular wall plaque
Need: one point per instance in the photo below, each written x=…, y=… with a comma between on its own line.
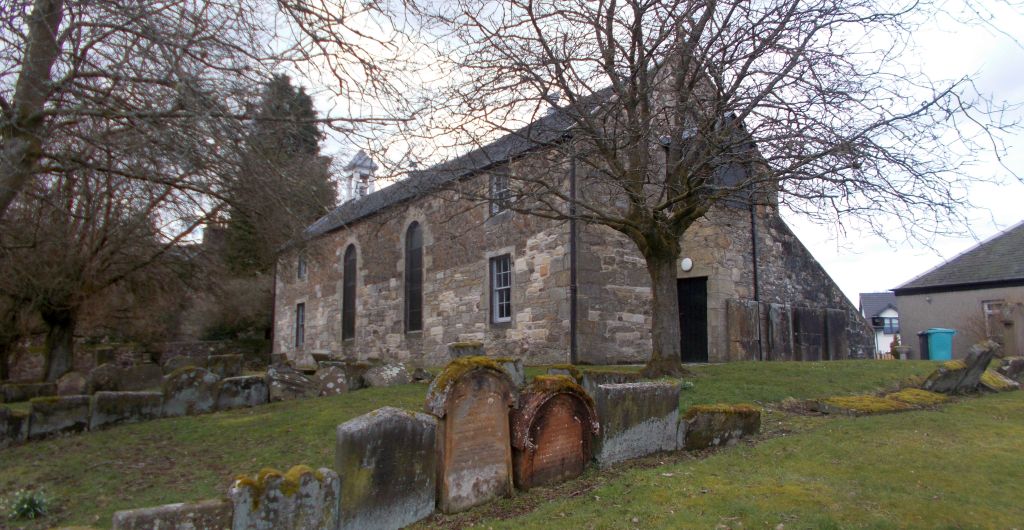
x=686, y=264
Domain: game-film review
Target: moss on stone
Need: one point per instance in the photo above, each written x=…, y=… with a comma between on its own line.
x=557, y=384
x=457, y=368
x=956, y=364
x=293, y=479
x=916, y=396
x=722, y=408
x=866, y=404
x=45, y=400
x=464, y=345
x=173, y=376
x=992, y=380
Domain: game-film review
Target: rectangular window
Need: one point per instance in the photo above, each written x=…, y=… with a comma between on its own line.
x=348, y=295
x=891, y=325
x=501, y=289
x=993, y=312
x=300, y=325
x=500, y=192
x=301, y=267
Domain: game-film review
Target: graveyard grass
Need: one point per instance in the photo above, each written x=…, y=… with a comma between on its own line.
x=863, y=472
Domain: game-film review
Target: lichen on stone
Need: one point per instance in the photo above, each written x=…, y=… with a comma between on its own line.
x=865, y=404
x=573, y=371
x=455, y=370
x=467, y=344
x=916, y=396
x=558, y=383
x=996, y=381
x=955, y=364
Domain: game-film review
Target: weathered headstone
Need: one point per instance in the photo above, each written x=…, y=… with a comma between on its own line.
x=224, y=366
x=715, y=425
x=190, y=390
x=960, y=376
x=594, y=378
x=387, y=375
x=566, y=369
x=13, y=427
x=242, y=391
x=72, y=384
x=288, y=383
x=180, y=361
x=637, y=419
x=743, y=329
x=514, y=369
x=469, y=348
x=51, y=415
x=301, y=499
x=332, y=380
x=1012, y=367
x=105, y=377
x=472, y=396
x=837, y=340
x=387, y=464
x=551, y=432
x=146, y=376
x=808, y=333
x=15, y=392
x=994, y=381
x=780, y=333
x=205, y=515
x=112, y=408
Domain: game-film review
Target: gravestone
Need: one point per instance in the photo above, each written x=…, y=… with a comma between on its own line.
x=715, y=425
x=205, y=515
x=551, y=432
x=637, y=419
x=105, y=377
x=112, y=408
x=288, y=383
x=837, y=341
x=387, y=464
x=144, y=376
x=387, y=375
x=472, y=397
x=469, y=348
x=780, y=333
x=51, y=415
x=301, y=499
x=15, y=392
x=180, y=361
x=1012, y=367
x=224, y=366
x=743, y=329
x=514, y=369
x=72, y=384
x=190, y=390
x=594, y=378
x=13, y=427
x=332, y=380
x=961, y=376
x=242, y=391
x=808, y=334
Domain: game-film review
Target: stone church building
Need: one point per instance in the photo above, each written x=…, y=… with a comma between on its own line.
x=400, y=273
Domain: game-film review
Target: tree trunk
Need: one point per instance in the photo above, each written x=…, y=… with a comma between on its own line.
x=60, y=338
x=666, y=359
x=22, y=123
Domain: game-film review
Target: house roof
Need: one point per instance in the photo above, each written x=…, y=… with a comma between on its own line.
x=996, y=262
x=871, y=304
x=547, y=130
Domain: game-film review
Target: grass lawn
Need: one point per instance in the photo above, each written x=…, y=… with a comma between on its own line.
x=93, y=475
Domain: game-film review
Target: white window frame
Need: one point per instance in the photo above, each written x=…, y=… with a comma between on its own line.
x=501, y=288
x=501, y=191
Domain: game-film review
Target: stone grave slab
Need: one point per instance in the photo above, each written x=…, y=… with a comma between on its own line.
x=472, y=397
x=837, y=341
x=962, y=375
x=224, y=366
x=16, y=392
x=387, y=462
x=190, y=390
x=112, y=408
x=13, y=427
x=180, y=361
x=205, y=515
x=72, y=384
x=242, y=391
x=105, y=377
x=780, y=333
x=332, y=380
x=1012, y=367
x=141, y=377
x=552, y=432
x=288, y=383
x=637, y=419
x=387, y=375
x=594, y=378
x=301, y=499
x=715, y=425
x=742, y=327
x=808, y=334
x=52, y=415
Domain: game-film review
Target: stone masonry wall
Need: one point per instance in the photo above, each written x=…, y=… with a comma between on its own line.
x=459, y=240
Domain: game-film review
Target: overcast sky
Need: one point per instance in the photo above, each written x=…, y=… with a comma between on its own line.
x=862, y=262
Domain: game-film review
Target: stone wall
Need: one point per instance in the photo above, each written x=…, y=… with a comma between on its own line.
x=459, y=240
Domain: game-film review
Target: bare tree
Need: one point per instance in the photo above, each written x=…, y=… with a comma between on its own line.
x=673, y=106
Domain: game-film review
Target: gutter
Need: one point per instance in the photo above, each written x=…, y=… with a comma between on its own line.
x=757, y=286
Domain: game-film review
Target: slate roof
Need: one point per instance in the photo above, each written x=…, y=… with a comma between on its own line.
x=996, y=262
x=871, y=304
x=547, y=130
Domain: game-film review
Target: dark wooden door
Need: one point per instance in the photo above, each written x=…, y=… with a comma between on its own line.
x=693, y=318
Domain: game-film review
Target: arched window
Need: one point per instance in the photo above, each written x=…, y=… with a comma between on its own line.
x=348, y=294
x=414, y=278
